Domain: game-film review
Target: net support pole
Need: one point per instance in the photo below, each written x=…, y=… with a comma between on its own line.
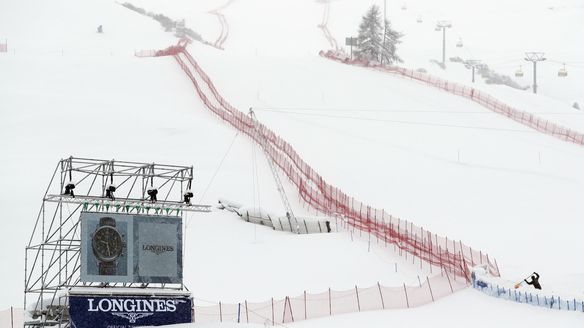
x=305, y=313
x=358, y=302
x=381, y=296
x=430, y=288
x=451, y=289
x=246, y=313
x=330, y=304
x=238, y=312
x=406, y=293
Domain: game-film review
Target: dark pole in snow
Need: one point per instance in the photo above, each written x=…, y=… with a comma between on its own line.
x=443, y=25
x=473, y=64
x=534, y=76
x=443, y=46
x=534, y=57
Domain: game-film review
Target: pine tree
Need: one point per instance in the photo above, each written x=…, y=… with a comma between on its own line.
x=370, y=35
x=389, y=46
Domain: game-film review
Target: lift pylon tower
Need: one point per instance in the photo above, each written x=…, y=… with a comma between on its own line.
x=534, y=57
x=52, y=255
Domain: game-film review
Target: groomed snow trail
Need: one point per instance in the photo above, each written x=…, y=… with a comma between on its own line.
x=451, y=255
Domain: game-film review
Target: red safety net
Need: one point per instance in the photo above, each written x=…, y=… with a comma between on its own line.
x=448, y=254
x=3, y=47
x=328, y=303
x=480, y=97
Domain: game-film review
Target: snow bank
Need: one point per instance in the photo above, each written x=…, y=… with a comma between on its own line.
x=257, y=215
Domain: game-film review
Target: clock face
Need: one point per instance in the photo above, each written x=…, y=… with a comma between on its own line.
x=107, y=243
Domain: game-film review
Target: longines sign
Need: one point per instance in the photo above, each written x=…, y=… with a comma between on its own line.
x=128, y=311
x=130, y=248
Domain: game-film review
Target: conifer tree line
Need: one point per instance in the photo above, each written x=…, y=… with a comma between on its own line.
x=377, y=41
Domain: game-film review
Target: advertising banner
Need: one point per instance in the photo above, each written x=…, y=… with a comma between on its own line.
x=131, y=248
x=128, y=311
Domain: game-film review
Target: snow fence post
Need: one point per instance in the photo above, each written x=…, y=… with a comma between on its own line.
x=451, y=289
x=440, y=260
x=430, y=288
x=246, y=312
x=358, y=303
x=305, y=314
x=330, y=305
x=220, y=313
x=238, y=312
x=273, y=323
x=406, y=293
x=287, y=306
x=381, y=295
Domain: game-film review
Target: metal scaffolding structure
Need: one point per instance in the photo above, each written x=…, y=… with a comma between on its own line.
x=52, y=255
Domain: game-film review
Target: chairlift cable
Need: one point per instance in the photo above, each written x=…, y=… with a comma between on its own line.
x=409, y=122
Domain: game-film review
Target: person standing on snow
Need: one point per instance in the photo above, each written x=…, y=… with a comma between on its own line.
x=534, y=281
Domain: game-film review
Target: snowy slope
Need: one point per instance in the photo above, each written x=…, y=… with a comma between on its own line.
x=439, y=160
x=394, y=143
x=496, y=32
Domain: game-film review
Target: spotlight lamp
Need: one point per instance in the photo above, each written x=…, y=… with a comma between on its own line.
x=152, y=192
x=109, y=191
x=69, y=189
x=187, y=196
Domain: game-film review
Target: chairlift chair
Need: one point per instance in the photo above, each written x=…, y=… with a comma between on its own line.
x=404, y=7
x=519, y=72
x=437, y=28
x=459, y=43
x=419, y=20
x=563, y=72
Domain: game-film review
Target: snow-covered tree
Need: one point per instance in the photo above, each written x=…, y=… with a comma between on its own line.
x=389, y=45
x=370, y=35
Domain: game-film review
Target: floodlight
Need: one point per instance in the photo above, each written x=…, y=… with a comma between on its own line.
x=187, y=196
x=69, y=189
x=152, y=192
x=109, y=191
